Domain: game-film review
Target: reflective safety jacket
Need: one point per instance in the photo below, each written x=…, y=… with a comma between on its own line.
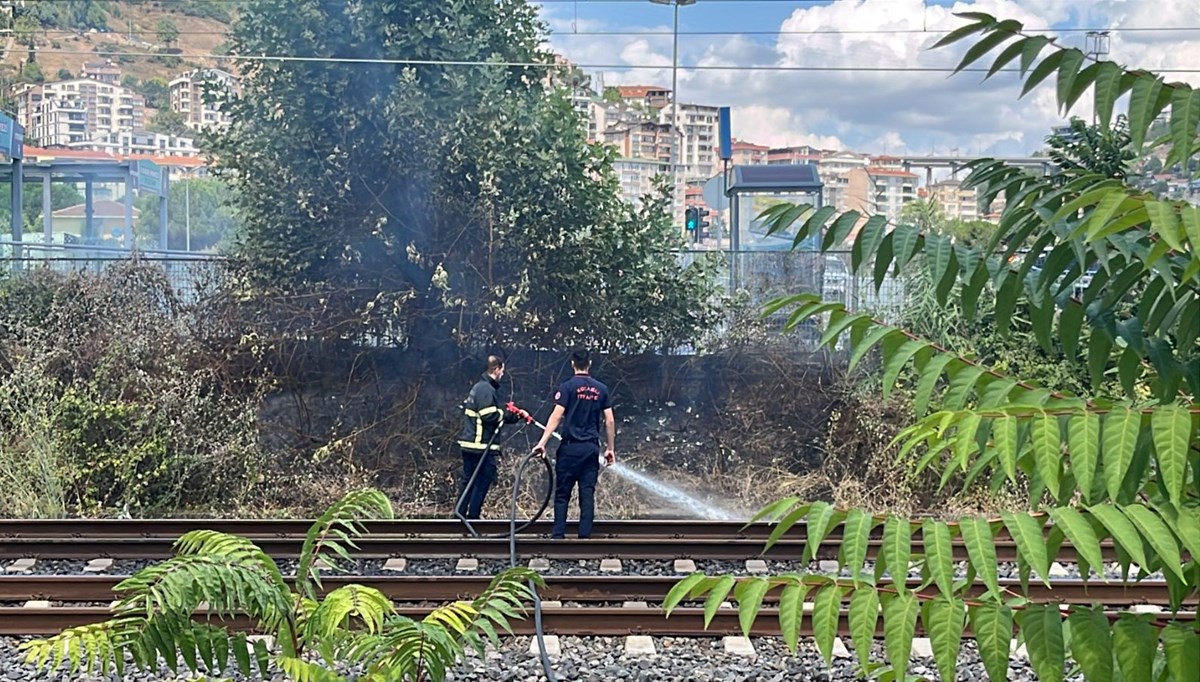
x=482, y=414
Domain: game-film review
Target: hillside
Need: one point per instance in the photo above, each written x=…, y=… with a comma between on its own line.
x=70, y=33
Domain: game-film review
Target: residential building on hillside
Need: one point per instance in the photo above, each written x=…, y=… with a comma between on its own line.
x=749, y=154
x=699, y=128
x=139, y=142
x=50, y=111
x=646, y=96
x=188, y=97
x=787, y=156
x=835, y=168
x=103, y=72
x=644, y=140
x=603, y=116
x=957, y=202
x=879, y=191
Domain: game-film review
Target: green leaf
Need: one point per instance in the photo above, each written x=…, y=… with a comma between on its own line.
x=895, y=363
x=1182, y=646
x=856, y=534
x=985, y=45
x=1081, y=534
x=749, y=594
x=1108, y=91
x=1190, y=217
x=1171, y=427
x=864, y=614
x=1047, y=450
x=1120, y=438
x=713, y=602
x=1041, y=627
x=961, y=32
x=1068, y=73
x=1185, y=118
x=680, y=590
x=1123, y=533
x=1005, y=434
x=1010, y=53
x=945, y=619
x=899, y=625
x=1031, y=544
x=1143, y=107
x=1157, y=535
x=896, y=550
x=1031, y=47
x=860, y=349
x=1091, y=643
x=939, y=554
x=1134, y=642
x=962, y=381
x=840, y=229
x=993, y=628
x=981, y=550
x=1083, y=442
x=820, y=522
x=867, y=242
x=791, y=612
x=826, y=608
x=1043, y=70
x=929, y=375
x=904, y=239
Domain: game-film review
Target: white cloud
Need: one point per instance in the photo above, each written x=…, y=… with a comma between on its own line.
x=788, y=103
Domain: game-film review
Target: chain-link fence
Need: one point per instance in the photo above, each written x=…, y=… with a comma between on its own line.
x=184, y=270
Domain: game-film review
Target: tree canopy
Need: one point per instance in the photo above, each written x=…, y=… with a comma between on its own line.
x=438, y=187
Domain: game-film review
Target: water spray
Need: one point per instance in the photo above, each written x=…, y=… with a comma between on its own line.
x=698, y=507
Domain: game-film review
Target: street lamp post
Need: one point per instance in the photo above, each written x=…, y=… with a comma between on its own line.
x=677, y=135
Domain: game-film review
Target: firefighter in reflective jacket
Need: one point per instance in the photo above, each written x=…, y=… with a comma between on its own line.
x=482, y=415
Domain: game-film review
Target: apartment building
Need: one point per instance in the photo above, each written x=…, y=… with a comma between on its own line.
x=957, y=202
x=789, y=156
x=51, y=112
x=603, y=116
x=101, y=72
x=188, y=97
x=126, y=143
x=879, y=191
x=643, y=140
x=645, y=96
x=749, y=154
x=699, y=127
x=835, y=168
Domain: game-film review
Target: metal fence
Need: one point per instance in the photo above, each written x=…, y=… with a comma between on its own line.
x=183, y=270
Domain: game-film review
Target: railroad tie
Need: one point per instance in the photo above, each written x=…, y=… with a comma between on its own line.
x=467, y=565
x=756, y=566
x=610, y=565
x=740, y=646
x=396, y=564
x=685, y=566
x=21, y=565
x=539, y=564
x=553, y=646
x=639, y=645
x=101, y=565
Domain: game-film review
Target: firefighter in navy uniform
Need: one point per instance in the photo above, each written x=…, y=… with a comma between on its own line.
x=580, y=404
x=482, y=415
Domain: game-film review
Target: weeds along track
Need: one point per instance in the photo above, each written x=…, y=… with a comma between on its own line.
x=640, y=539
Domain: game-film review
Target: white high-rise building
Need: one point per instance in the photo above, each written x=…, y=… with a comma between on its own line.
x=188, y=97
x=699, y=129
x=56, y=114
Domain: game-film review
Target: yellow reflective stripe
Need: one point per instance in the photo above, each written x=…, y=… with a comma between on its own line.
x=479, y=430
x=488, y=410
x=471, y=413
x=477, y=446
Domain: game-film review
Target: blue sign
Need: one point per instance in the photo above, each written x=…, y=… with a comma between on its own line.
x=12, y=139
x=148, y=177
x=725, y=134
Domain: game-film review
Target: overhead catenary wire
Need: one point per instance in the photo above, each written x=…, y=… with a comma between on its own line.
x=666, y=33
x=551, y=65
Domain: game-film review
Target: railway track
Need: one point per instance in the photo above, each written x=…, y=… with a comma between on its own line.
x=573, y=588
x=649, y=540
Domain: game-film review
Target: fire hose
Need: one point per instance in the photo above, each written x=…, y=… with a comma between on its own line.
x=513, y=528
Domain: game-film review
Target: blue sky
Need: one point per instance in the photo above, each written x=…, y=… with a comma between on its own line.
x=866, y=111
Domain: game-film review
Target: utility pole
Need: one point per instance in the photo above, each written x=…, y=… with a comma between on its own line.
x=677, y=134
x=1096, y=47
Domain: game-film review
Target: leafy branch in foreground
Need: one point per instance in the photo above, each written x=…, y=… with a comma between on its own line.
x=1111, y=277
x=176, y=612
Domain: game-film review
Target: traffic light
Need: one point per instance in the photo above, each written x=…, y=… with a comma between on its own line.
x=701, y=214
x=692, y=219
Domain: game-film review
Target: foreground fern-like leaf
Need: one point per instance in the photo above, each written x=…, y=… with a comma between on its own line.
x=1097, y=472
x=158, y=621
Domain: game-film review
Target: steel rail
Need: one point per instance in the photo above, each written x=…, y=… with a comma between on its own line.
x=575, y=588
x=383, y=546
x=562, y=620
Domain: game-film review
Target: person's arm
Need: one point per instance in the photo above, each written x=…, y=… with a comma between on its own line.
x=551, y=424
x=610, y=429
x=485, y=402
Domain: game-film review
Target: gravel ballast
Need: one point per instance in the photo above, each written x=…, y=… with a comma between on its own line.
x=602, y=659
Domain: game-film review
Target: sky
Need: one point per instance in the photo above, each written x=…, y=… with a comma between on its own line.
x=898, y=112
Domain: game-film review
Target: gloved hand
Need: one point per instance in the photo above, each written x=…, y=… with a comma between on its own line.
x=512, y=407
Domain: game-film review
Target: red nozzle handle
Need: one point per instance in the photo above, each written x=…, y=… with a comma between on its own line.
x=512, y=407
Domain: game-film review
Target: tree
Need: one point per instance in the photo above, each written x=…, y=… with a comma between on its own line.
x=156, y=92
x=1084, y=148
x=169, y=122
x=62, y=195
x=232, y=576
x=167, y=32
x=1125, y=472
x=201, y=207
x=31, y=72
x=441, y=205
x=65, y=75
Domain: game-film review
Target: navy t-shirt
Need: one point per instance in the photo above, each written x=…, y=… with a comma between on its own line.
x=584, y=400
